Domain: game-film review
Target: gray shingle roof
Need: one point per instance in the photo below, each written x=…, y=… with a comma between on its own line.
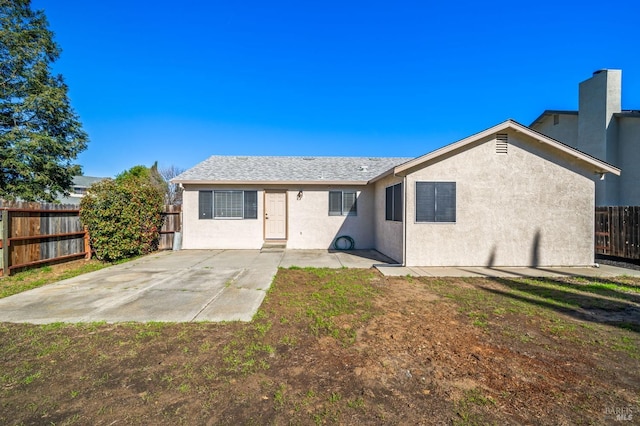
x=86, y=181
x=288, y=169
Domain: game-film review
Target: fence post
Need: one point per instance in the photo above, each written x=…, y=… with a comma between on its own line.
x=5, y=242
x=87, y=244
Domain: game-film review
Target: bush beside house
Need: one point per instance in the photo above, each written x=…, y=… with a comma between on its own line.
x=124, y=215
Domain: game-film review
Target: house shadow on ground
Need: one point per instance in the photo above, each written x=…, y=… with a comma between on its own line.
x=604, y=301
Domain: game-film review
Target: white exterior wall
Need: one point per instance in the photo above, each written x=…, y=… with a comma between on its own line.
x=600, y=98
x=219, y=233
x=566, y=131
x=309, y=225
x=518, y=209
x=388, y=234
x=629, y=155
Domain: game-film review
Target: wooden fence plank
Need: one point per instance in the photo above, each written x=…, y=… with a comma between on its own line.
x=40, y=233
x=5, y=242
x=617, y=231
x=170, y=225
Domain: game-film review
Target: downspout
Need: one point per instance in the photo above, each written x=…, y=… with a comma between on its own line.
x=404, y=221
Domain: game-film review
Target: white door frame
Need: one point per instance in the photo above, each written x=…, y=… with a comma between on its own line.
x=284, y=235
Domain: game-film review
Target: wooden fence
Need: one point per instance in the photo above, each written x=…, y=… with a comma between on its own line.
x=617, y=231
x=170, y=225
x=33, y=234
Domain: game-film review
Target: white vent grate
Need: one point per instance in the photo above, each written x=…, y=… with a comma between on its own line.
x=502, y=143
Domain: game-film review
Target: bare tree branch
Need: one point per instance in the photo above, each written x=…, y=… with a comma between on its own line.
x=174, y=191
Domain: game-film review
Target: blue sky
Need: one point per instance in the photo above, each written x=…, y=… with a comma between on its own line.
x=177, y=82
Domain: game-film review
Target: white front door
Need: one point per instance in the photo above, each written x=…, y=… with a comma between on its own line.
x=275, y=215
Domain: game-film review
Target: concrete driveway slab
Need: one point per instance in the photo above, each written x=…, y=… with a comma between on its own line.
x=180, y=286
x=237, y=259
x=310, y=258
x=333, y=259
x=236, y=304
x=173, y=286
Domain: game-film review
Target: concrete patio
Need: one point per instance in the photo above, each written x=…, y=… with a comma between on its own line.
x=506, y=272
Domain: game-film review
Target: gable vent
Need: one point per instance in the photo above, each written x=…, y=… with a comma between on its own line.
x=502, y=143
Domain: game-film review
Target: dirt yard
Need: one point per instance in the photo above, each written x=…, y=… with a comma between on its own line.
x=347, y=347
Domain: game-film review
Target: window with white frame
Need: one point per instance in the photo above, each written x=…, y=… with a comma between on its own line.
x=228, y=204
x=393, y=203
x=343, y=203
x=435, y=201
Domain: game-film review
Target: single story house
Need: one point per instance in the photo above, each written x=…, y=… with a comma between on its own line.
x=507, y=196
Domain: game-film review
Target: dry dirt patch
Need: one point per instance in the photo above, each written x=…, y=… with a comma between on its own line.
x=346, y=347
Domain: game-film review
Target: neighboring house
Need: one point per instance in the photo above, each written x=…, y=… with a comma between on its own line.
x=79, y=189
x=507, y=196
x=604, y=130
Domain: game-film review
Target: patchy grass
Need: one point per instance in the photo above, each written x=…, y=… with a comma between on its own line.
x=345, y=347
x=27, y=280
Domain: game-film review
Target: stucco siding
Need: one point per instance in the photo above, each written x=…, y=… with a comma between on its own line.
x=566, y=131
x=523, y=208
x=309, y=225
x=629, y=158
x=388, y=234
x=219, y=233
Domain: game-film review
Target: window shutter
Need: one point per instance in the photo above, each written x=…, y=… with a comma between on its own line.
x=335, y=203
x=349, y=203
x=388, y=203
x=205, y=204
x=250, y=204
x=425, y=201
x=397, y=202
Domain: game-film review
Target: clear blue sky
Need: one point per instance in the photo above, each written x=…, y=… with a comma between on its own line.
x=177, y=81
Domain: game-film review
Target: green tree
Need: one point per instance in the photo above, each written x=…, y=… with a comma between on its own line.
x=40, y=134
x=146, y=174
x=124, y=215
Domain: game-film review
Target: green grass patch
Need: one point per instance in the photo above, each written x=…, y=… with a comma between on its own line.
x=33, y=278
x=470, y=408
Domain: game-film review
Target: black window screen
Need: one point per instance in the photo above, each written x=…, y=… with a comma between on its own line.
x=335, y=203
x=388, y=203
x=435, y=201
x=250, y=204
x=228, y=204
x=393, y=203
x=205, y=204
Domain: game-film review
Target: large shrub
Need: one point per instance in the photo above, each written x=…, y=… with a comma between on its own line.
x=124, y=216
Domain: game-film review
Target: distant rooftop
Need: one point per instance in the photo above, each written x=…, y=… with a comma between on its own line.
x=552, y=112
x=623, y=113
x=78, y=189
x=288, y=169
x=628, y=113
x=86, y=181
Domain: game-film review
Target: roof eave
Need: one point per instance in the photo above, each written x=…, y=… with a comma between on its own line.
x=549, y=112
x=600, y=166
x=383, y=175
x=271, y=182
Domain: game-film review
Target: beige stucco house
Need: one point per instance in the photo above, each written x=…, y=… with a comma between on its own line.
x=601, y=128
x=507, y=196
